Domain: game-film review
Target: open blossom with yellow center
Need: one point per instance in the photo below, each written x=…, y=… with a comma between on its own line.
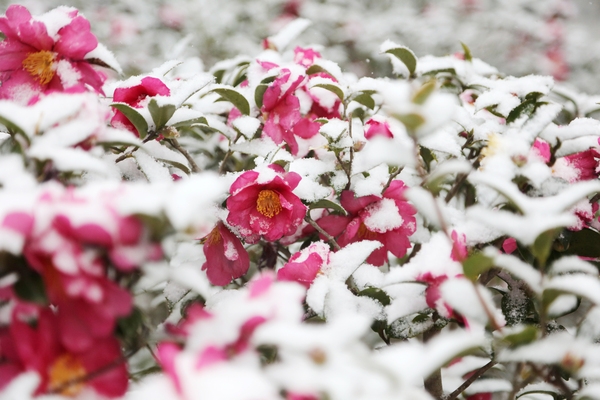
x=33, y=55
x=66, y=375
x=41, y=66
x=262, y=204
x=268, y=203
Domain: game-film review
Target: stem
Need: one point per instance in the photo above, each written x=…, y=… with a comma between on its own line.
x=391, y=178
x=433, y=383
x=329, y=238
x=454, y=190
x=470, y=380
x=177, y=146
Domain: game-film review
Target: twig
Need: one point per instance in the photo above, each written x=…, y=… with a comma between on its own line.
x=470, y=380
x=329, y=238
x=177, y=146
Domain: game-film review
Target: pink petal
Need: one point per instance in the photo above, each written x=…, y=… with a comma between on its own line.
x=75, y=39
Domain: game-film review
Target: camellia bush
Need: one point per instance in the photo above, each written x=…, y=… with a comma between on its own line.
x=278, y=228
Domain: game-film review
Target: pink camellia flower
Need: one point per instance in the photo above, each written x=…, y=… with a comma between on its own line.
x=459, y=246
x=37, y=57
x=262, y=204
x=71, y=240
x=376, y=126
x=34, y=338
x=136, y=96
x=305, y=56
x=281, y=110
x=304, y=266
x=577, y=167
x=226, y=257
x=433, y=296
x=388, y=219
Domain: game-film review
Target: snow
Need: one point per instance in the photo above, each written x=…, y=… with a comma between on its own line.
x=383, y=216
x=570, y=264
x=247, y=125
x=577, y=284
x=466, y=298
x=286, y=35
x=310, y=169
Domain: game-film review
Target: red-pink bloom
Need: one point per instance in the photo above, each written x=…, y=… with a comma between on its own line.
x=136, y=96
x=377, y=127
x=35, y=334
x=304, y=266
x=281, y=109
x=226, y=257
x=36, y=58
x=459, y=246
x=509, y=245
x=263, y=204
x=433, y=296
x=388, y=219
x=577, y=167
x=305, y=56
x=325, y=104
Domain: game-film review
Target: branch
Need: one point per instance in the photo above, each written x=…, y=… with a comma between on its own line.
x=329, y=238
x=470, y=380
x=177, y=146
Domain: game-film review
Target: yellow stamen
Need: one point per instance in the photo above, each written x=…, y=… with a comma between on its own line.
x=364, y=233
x=40, y=65
x=213, y=237
x=268, y=203
x=64, y=375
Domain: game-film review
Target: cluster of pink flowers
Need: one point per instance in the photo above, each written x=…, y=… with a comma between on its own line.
x=74, y=244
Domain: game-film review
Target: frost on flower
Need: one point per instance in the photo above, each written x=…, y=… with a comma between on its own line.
x=262, y=204
x=388, y=219
x=40, y=56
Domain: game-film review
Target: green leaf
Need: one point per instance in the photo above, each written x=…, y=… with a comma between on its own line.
x=315, y=69
x=332, y=88
x=12, y=126
x=412, y=121
x=476, y=264
x=525, y=108
x=467, y=52
x=259, y=93
x=134, y=117
x=365, y=98
x=377, y=294
x=421, y=96
x=584, y=243
x=407, y=57
x=160, y=115
x=190, y=122
x=525, y=336
x=30, y=287
x=219, y=75
x=324, y=203
x=235, y=98
x=542, y=246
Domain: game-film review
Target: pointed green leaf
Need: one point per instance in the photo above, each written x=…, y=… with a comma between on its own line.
x=407, y=57
x=525, y=336
x=365, y=98
x=315, y=69
x=324, y=203
x=12, y=126
x=412, y=121
x=377, y=294
x=190, y=122
x=332, y=88
x=467, y=52
x=542, y=246
x=235, y=98
x=421, y=96
x=134, y=117
x=476, y=264
x=160, y=114
x=259, y=93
